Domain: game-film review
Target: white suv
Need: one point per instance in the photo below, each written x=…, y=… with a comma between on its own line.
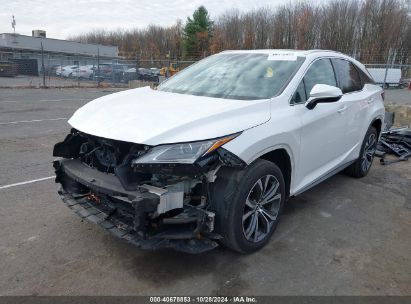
x=212, y=154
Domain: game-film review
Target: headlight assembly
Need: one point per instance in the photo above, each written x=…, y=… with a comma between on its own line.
x=183, y=153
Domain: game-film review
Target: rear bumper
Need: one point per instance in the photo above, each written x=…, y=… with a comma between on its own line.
x=94, y=196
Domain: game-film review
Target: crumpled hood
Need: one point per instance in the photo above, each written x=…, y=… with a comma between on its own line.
x=152, y=117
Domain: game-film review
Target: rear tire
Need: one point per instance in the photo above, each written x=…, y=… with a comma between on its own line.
x=362, y=165
x=248, y=205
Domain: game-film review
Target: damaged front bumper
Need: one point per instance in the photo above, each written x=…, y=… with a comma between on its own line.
x=150, y=205
x=89, y=212
x=100, y=199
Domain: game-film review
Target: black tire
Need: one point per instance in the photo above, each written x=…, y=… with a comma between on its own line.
x=362, y=165
x=231, y=190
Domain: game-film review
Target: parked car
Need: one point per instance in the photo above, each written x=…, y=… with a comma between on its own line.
x=118, y=72
x=102, y=71
x=84, y=72
x=67, y=71
x=148, y=74
x=129, y=74
x=58, y=70
x=151, y=74
x=211, y=155
x=111, y=72
x=155, y=71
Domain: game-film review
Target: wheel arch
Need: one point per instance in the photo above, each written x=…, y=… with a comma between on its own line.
x=377, y=124
x=282, y=158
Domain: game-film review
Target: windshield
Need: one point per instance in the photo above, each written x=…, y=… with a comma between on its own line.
x=235, y=76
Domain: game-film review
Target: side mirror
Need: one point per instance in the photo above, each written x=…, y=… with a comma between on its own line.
x=323, y=93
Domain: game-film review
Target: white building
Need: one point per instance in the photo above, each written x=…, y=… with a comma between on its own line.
x=27, y=51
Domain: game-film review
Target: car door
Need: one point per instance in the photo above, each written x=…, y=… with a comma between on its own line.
x=322, y=128
x=356, y=101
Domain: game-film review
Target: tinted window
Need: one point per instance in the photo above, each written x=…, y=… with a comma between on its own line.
x=364, y=77
x=320, y=72
x=348, y=78
x=234, y=76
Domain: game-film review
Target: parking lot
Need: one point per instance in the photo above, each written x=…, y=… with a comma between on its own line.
x=343, y=237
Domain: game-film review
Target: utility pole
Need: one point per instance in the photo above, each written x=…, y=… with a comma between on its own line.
x=386, y=68
x=42, y=65
x=393, y=59
x=13, y=24
x=98, y=67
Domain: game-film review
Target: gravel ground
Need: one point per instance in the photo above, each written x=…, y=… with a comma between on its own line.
x=398, y=96
x=344, y=237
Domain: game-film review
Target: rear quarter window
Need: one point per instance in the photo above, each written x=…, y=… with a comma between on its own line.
x=364, y=77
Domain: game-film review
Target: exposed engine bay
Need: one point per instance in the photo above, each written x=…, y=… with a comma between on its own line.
x=151, y=205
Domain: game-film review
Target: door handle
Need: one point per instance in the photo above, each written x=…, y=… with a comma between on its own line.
x=342, y=110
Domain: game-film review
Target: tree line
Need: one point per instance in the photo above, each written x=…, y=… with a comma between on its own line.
x=372, y=31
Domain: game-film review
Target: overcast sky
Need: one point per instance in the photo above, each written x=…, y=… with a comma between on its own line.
x=63, y=18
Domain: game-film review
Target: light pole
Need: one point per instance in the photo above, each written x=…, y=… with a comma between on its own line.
x=13, y=24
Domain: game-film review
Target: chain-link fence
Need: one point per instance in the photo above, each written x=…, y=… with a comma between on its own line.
x=30, y=69
x=390, y=69
x=390, y=75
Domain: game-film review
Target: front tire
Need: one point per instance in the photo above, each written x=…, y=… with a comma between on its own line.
x=248, y=205
x=362, y=165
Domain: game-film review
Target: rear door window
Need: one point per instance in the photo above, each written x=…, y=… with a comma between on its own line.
x=347, y=75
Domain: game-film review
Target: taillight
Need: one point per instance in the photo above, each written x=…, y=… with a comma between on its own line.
x=383, y=95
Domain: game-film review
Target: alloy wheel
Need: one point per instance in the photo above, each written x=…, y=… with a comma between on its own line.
x=261, y=209
x=369, y=150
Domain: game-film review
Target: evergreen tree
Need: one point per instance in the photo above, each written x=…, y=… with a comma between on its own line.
x=197, y=33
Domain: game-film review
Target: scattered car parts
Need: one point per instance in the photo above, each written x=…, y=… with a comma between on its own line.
x=396, y=142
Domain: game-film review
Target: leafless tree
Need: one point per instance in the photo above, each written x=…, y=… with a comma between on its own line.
x=370, y=30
